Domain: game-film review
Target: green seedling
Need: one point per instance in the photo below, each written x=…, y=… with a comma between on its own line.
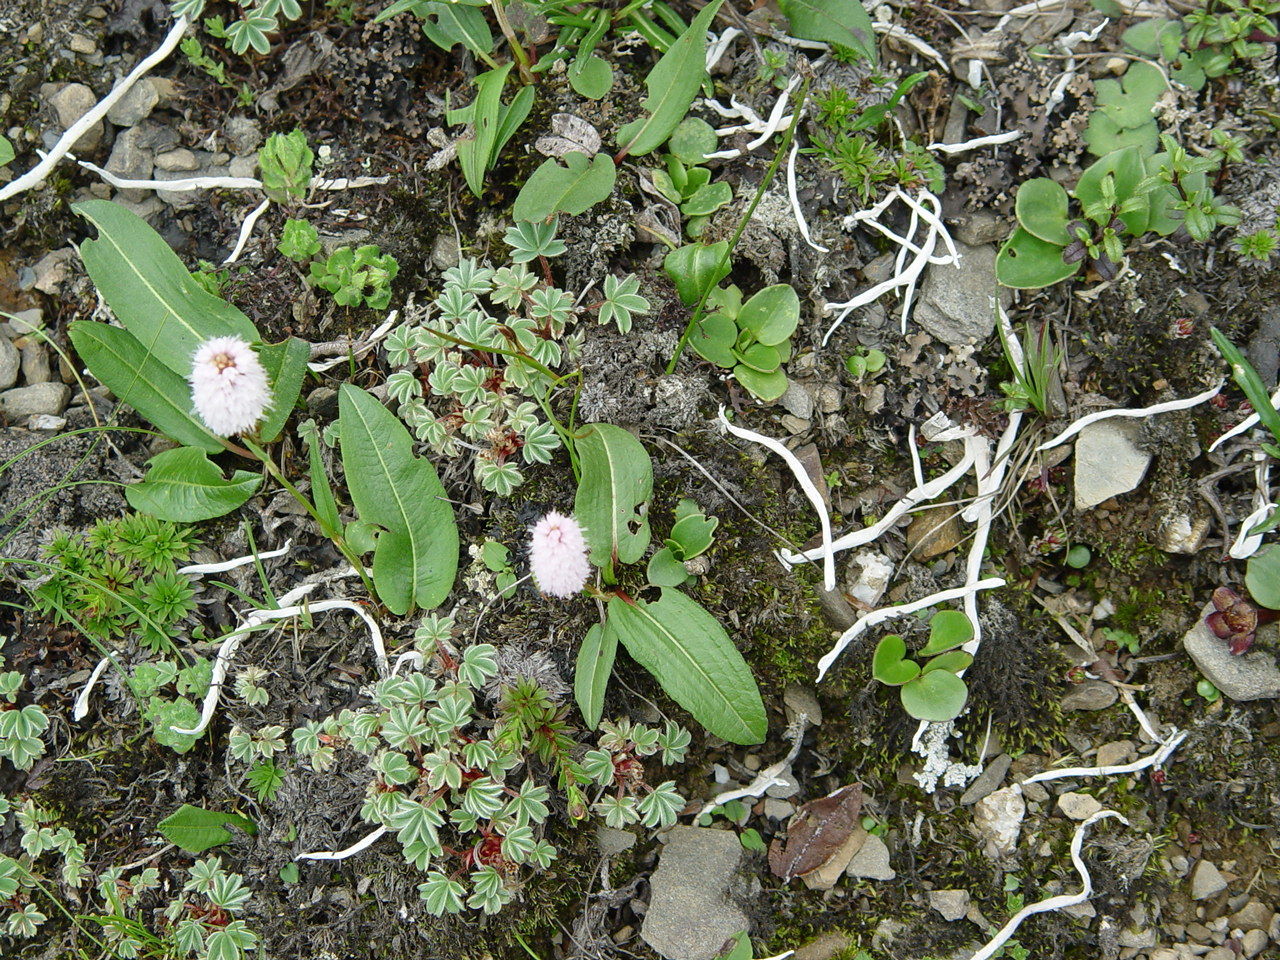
x=1123, y=115
x=867, y=362
x=286, y=163
x=691, y=536
x=934, y=691
x=357, y=274
x=690, y=188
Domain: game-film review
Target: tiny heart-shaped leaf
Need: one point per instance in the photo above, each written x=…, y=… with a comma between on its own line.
x=889, y=664
x=953, y=661
x=947, y=630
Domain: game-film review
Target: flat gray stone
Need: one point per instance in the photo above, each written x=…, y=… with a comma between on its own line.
x=1250, y=676
x=955, y=304
x=998, y=819
x=10, y=363
x=612, y=841
x=69, y=103
x=951, y=905
x=988, y=781
x=1078, y=806
x=136, y=105
x=1115, y=753
x=131, y=159
x=872, y=861
x=798, y=699
x=180, y=159
x=243, y=134
x=1206, y=881
x=1108, y=461
x=690, y=916
x=35, y=364
x=22, y=402
x=1090, y=695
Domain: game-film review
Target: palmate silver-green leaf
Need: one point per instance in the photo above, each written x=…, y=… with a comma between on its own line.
x=416, y=556
x=617, y=478
x=150, y=291
x=695, y=661
x=672, y=84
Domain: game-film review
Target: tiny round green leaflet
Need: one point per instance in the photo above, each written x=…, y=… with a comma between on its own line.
x=692, y=140
x=772, y=314
x=936, y=696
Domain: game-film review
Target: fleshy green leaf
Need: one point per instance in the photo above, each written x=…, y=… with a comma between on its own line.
x=672, y=84
x=842, y=22
x=134, y=375
x=150, y=291
x=772, y=314
x=766, y=386
x=665, y=570
x=594, y=667
x=416, y=557
x=590, y=77
x=937, y=696
x=1041, y=207
x=713, y=339
x=1028, y=263
x=196, y=830
x=889, y=664
x=695, y=661
x=696, y=267
x=617, y=479
x=947, y=630
x=183, y=485
x=286, y=365
x=694, y=533
x=576, y=186
x=1262, y=577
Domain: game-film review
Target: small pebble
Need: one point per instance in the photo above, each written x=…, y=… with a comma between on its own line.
x=1078, y=806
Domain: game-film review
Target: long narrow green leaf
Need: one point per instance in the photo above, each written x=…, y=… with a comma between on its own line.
x=321, y=491
x=594, y=667
x=692, y=657
x=672, y=84
x=286, y=365
x=134, y=375
x=416, y=557
x=150, y=291
x=475, y=154
x=617, y=478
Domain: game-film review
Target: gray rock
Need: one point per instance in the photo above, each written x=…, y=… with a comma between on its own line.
x=797, y=401
x=1253, y=943
x=69, y=104
x=998, y=819
x=872, y=861
x=136, y=105
x=243, y=134
x=10, y=363
x=22, y=402
x=787, y=789
x=35, y=364
x=1109, y=461
x=156, y=137
x=951, y=905
x=1138, y=939
x=612, y=841
x=79, y=43
x=180, y=159
x=689, y=915
x=1250, y=676
x=798, y=699
x=1090, y=695
x=987, y=781
x=24, y=321
x=1206, y=881
x=955, y=303
x=1078, y=806
x=131, y=159
x=981, y=227
x=1255, y=915
x=43, y=421
x=1114, y=753
x=778, y=809
x=445, y=252
x=244, y=166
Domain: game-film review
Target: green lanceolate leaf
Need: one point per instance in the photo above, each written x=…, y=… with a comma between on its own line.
x=416, y=557
x=842, y=22
x=695, y=661
x=134, y=375
x=576, y=186
x=617, y=478
x=195, y=829
x=1247, y=379
x=183, y=485
x=321, y=490
x=286, y=365
x=448, y=24
x=591, y=676
x=475, y=154
x=672, y=84
x=150, y=291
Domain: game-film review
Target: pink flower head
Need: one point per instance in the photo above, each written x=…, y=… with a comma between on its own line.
x=228, y=386
x=558, y=555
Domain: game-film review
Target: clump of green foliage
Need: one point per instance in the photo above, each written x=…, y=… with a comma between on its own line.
x=1217, y=38
x=119, y=580
x=457, y=784
x=354, y=275
x=475, y=374
x=21, y=728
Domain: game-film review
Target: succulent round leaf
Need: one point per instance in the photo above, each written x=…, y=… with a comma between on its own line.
x=889, y=664
x=772, y=314
x=1029, y=263
x=1041, y=207
x=936, y=696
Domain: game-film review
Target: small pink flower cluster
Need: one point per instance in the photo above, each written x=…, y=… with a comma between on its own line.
x=229, y=387
x=558, y=555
